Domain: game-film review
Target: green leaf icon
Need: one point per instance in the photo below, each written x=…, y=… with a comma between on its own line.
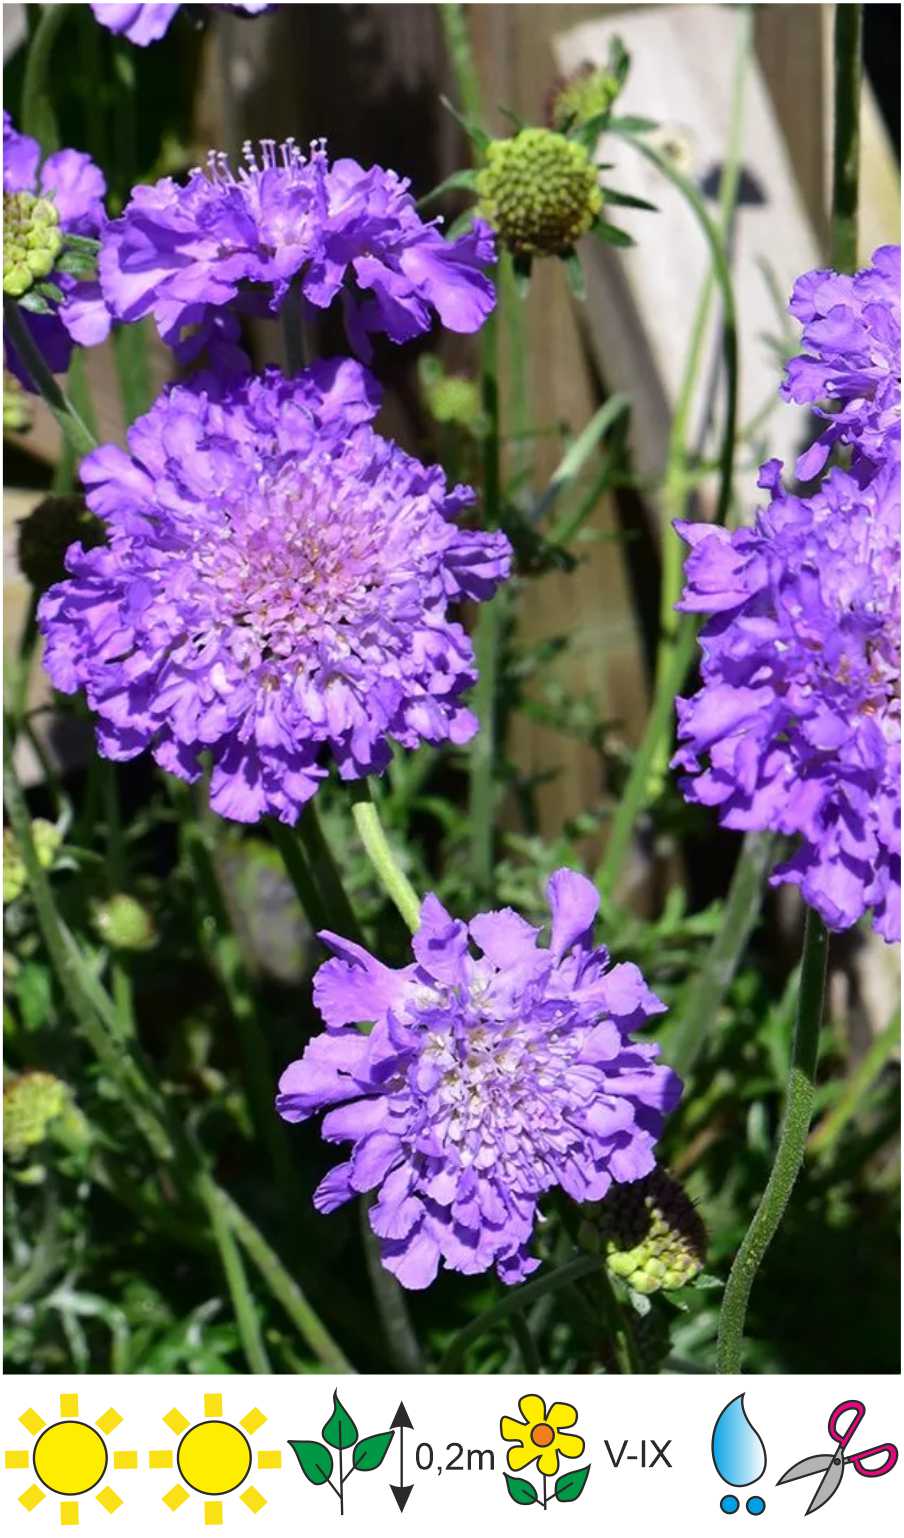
x=569, y=1486
x=521, y=1491
x=371, y=1451
x=340, y=1430
x=316, y=1461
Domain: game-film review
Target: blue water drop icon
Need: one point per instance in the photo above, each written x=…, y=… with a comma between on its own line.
x=738, y=1451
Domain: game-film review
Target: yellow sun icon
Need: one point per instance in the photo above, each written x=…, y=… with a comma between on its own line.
x=70, y=1457
x=214, y=1457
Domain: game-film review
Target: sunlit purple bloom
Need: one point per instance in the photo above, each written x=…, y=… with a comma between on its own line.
x=797, y=726
x=274, y=590
x=180, y=252
x=77, y=187
x=485, y=1082
x=851, y=360
x=143, y=24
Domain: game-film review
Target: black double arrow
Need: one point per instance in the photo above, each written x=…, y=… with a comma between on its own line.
x=401, y=1491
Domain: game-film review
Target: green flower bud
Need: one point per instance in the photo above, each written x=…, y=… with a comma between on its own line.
x=46, y=534
x=449, y=397
x=581, y=96
x=47, y=838
x=17, y=409
x=32, y=241
x=124, y=923
x=649, y=1232
x=539, y=191
x=31, y=1102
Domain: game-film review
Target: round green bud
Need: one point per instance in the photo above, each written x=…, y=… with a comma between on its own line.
x=31, y=1102
x=449, y=397
x=46, y=534
x=17, y=409
x=581, y=96
x=124, y=923
x=539, y=191
x=32, y=241
x=47, y=839
x=649, y=1233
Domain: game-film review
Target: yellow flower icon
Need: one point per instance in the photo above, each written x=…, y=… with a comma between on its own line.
x=541, y=1435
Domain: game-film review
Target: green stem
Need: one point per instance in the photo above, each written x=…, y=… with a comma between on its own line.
x=284, y=1288
x=325, y=872
x=293, y=331
x=458, y=42
x=373, y=837
x=292, y=855
x=487, y=636
x=827, y=1132
x=846, y=148
x=76, y=432
x=705, y=995
x=390, y=1300
x=789, y=1151
x=516, y=1300
x=38, y=116
x=130, y=347
x=234, y=1272
x=635, y=793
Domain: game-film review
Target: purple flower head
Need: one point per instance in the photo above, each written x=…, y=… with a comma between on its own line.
x=77, y=187
x=797, y=726
x=275, y=587
x=851, y=361
x=143, y=24
x=484, y=1083
x=179, y=253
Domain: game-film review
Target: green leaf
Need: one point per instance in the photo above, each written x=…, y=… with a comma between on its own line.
x=316, y=1461
x=632, y=125
x=521, y=1491
x=627, y=200
x=77, y=263
x=50, y=291
x=466, y=180
x=85, y=243
x=32, y=301
x=575, y=274
x=340, y=1430
x=569, y=1486
x=705, y=1280
x=371, y=1451
x=611, y=235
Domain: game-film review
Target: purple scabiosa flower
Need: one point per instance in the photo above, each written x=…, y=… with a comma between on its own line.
x=179, y=253
x=275, y=588
x=851, y=361
x=76, y=187
x=485, y=1082
x=797, y=726
x=144, y=24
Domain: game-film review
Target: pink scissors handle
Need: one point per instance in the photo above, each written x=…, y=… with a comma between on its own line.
x=885, y=1467
x=843, y=1437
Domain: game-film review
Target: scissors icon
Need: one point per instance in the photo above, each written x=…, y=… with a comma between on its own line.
x=832, y=1465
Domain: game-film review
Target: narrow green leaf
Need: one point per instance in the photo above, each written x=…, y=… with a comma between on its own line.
x=371, y=1451
x=705, y=1280
x=569, y=1486
x=340, y=1430
x=316, y=1461
x=460, y=225
x=632, y=125
x=611, y=235
x=521, y=1491
x=627, y=200
x=50, y=291
x=77, y=263
x=466, y=180
x=32, y=301
x=85, y=243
